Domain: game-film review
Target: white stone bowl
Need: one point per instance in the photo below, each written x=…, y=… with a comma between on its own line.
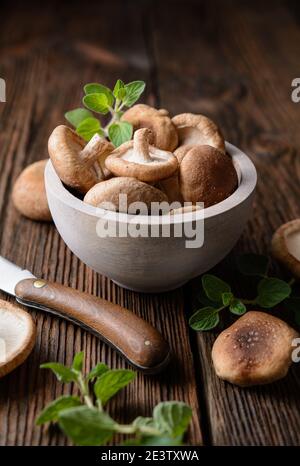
x=153, y=264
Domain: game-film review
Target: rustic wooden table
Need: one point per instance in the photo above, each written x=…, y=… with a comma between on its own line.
x=232, y=62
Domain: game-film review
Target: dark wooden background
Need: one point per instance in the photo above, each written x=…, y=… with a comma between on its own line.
x=233, y=61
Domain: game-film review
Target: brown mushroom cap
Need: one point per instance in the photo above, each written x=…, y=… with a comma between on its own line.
x=17, y=334
x=164, y=132
x=286, y=246
x=29, y=194
x=140, y=160
x=78, y=165
x=136, y=191
x=255, y=350
x=198, y=130
x=206, y=175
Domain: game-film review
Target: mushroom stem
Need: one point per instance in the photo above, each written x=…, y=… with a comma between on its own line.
x=91, y=150
x=91, y=155
x=141, y=144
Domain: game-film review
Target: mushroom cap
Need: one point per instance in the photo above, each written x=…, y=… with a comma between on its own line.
x=285, y=246
x=76, y=169
x=140, y=160
x=198, y=130
x=206, y=175
x=29, y=194
x=255, y=350
x=170, y=186
x=136, y=191
x=164, y=132
x=17, y=336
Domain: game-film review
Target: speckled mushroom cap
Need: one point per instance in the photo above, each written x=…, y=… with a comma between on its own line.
x=29, y=194
x=255, y=350
x=78, y=165
x=140, y=160
x=198, y=130
x=206, y=175
x=286, y=246
x=17, y=336
x=164, y=134
x=136, y=191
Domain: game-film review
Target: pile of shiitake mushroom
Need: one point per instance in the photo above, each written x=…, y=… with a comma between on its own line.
x=179, y=159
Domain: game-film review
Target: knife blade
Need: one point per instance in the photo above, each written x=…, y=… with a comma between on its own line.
x=135, y=339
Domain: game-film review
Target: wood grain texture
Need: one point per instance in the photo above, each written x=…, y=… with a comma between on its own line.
x=232, y=63
x=45, y=64
x=237, y=67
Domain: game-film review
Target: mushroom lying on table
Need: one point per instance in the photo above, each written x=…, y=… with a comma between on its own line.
x=164, y=134
x=78, y=165
x=255, y=350
x=29, y=193
x=17, y=336
x=206, y=175
x=107, y=193
x=286, y=246
x=198, y=130
x=140, y=160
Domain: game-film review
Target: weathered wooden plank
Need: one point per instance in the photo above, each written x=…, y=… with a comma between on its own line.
x=236, y=65
x=45, y=63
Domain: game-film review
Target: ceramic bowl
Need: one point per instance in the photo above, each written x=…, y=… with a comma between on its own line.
x=153, y=263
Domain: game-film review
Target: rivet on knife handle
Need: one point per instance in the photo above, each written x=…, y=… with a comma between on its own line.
x=141, y=344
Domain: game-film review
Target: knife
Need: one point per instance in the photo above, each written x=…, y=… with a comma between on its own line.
x=136, y=340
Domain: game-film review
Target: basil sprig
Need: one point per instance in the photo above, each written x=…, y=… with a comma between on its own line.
x=102, y=101
x=83, y=419
x=217, y=295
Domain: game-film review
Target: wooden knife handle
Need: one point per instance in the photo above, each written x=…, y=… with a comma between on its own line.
x=140, y=343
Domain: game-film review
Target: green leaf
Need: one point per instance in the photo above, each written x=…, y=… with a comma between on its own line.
x=97, y=371
x=109, y=383
x=203, y=299
x=153, y=441
x=96, y=102
x=88, y=127
x=237, y=307
x=271, y=291
x=78, y=361
x=95, y=88
x=63, y=373
x=141, y=421
x=227, y=298
x=119, y=90
x=87, y=426
x=51, y=411
x=76, y=116
x=253, y=264
x=120, y=132
x=204, y=319
x=214, y=287
x=172, y=418
x=133, y=92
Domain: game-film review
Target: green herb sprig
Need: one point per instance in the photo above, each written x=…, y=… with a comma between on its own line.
x=217, y=295
x=87, y=423
x=102, y=100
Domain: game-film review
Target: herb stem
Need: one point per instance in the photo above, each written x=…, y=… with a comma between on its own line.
x=125, y=428
x=131, y=429
x=292, y=281
x=84, y=391
x=149, y=430
x=247, y=301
